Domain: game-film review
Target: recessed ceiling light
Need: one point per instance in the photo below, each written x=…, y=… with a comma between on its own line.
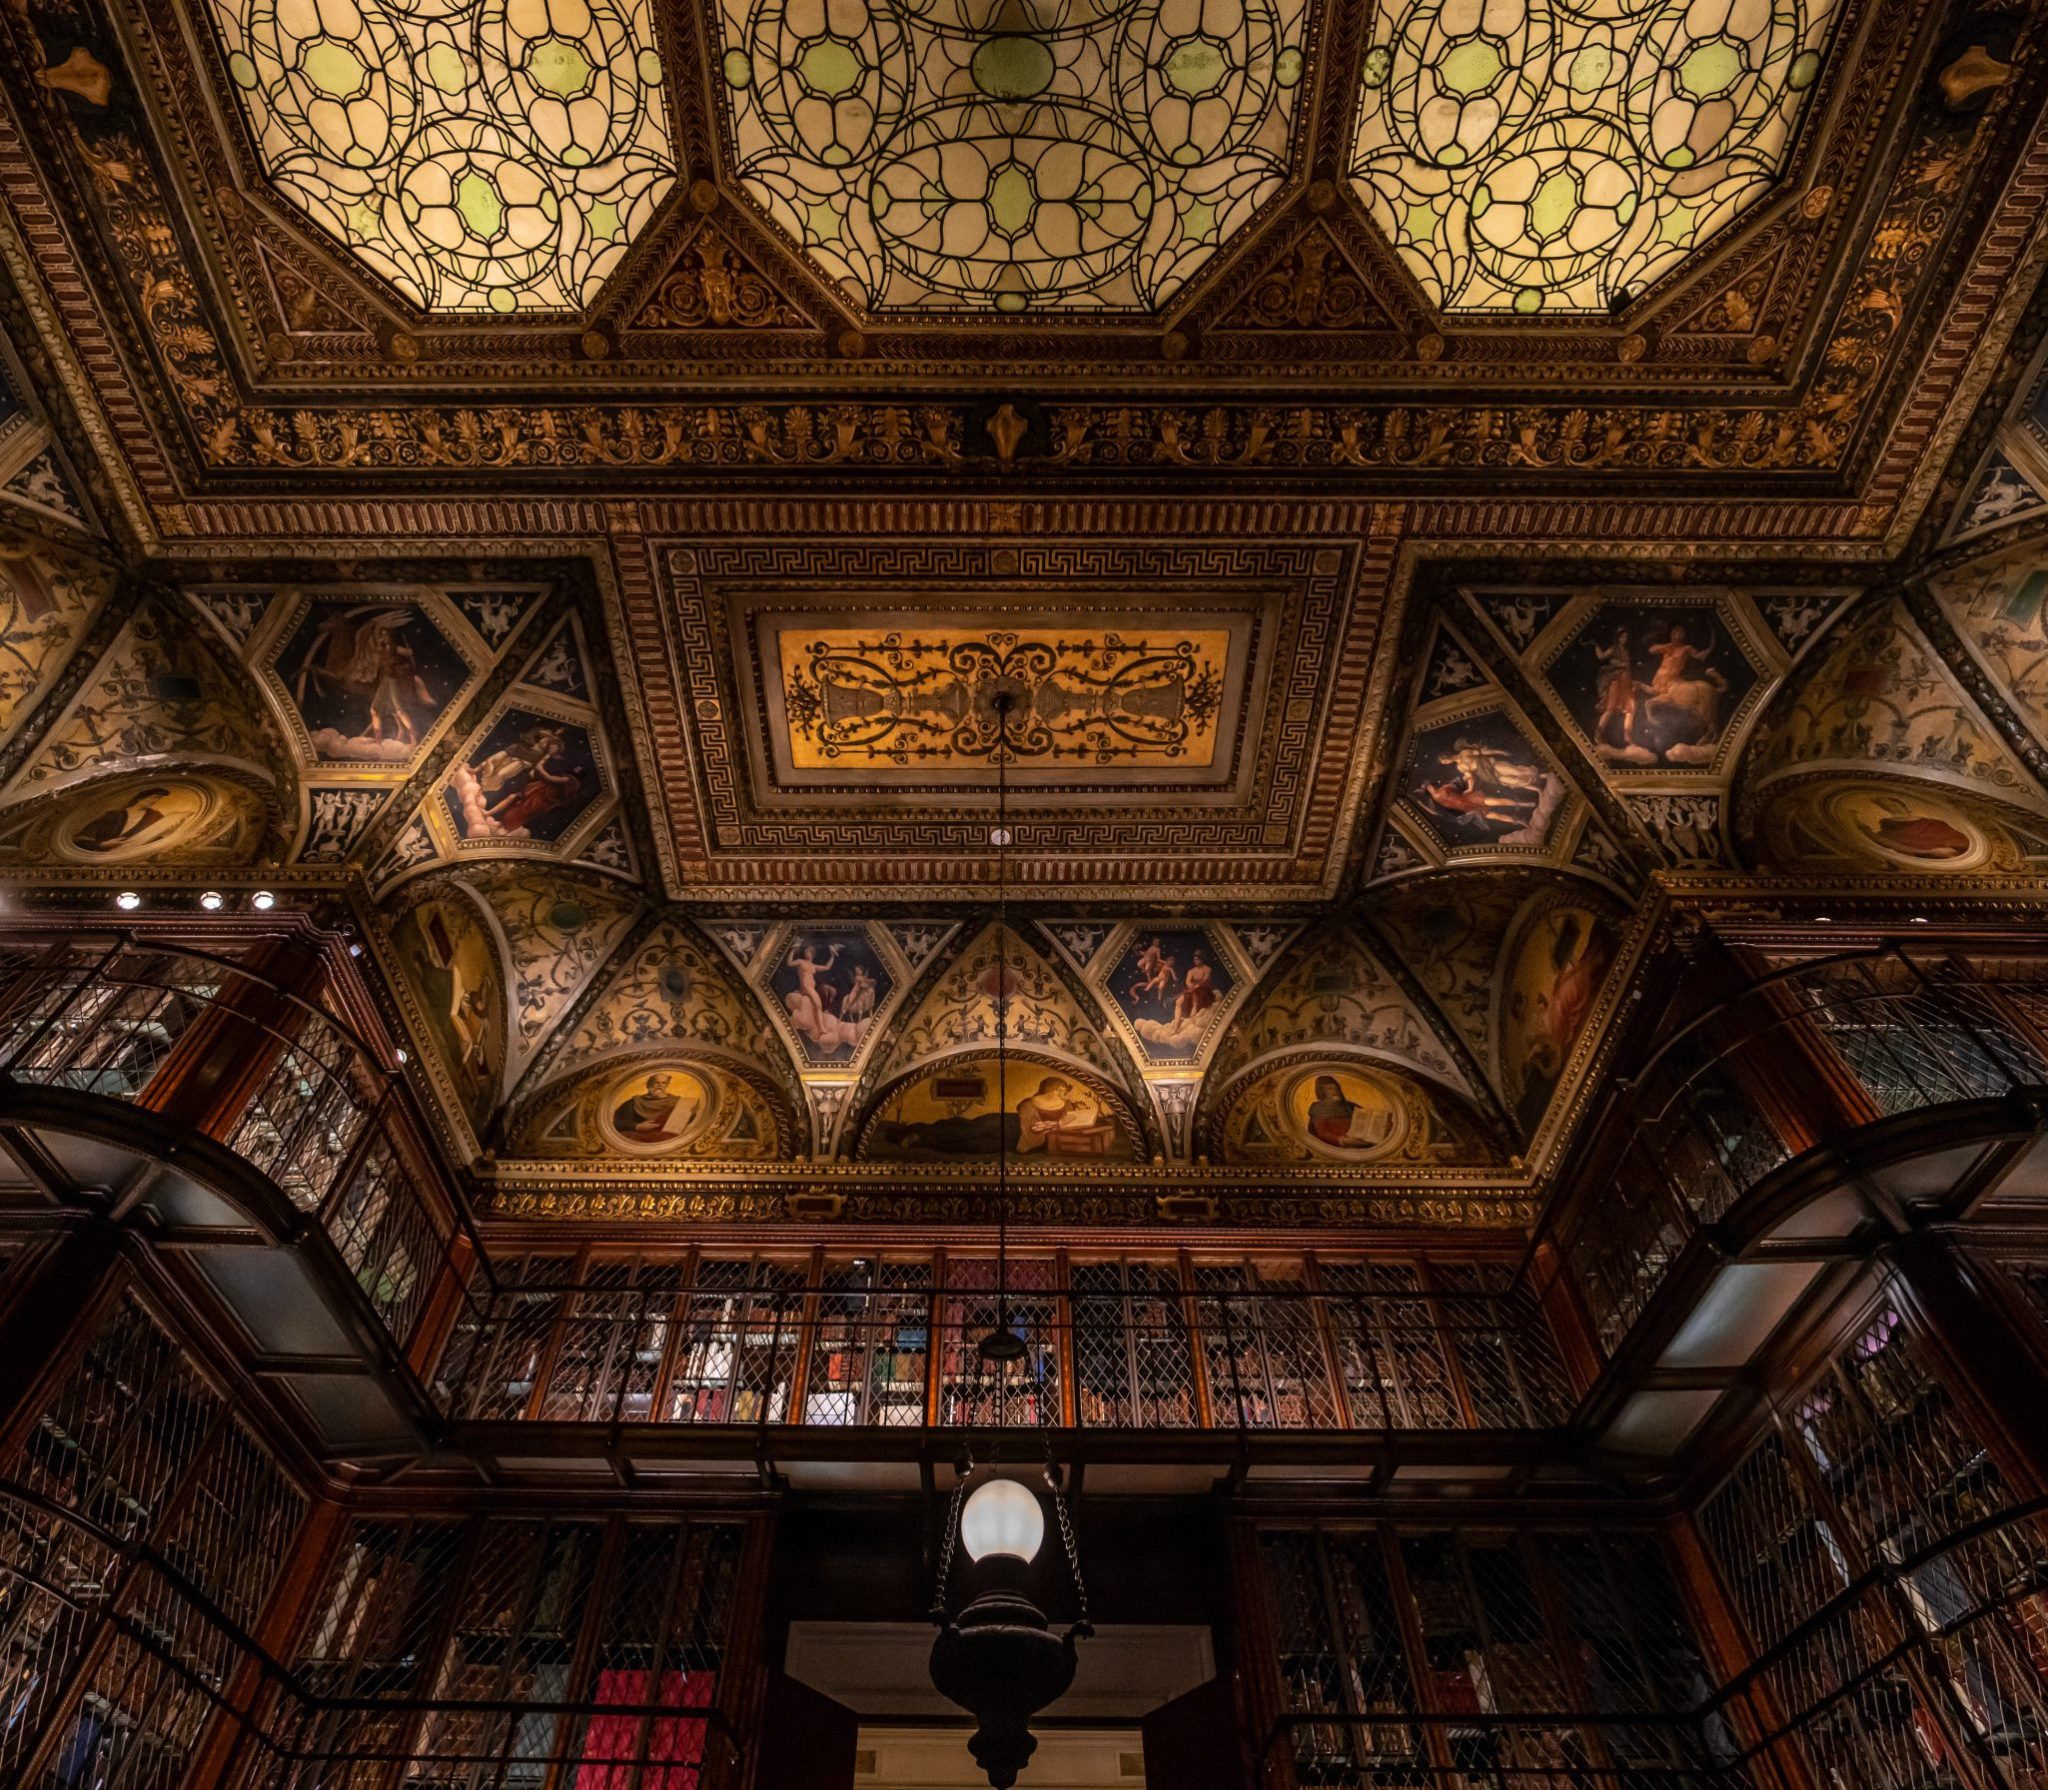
x=1919, y=919
x=213, y=901
x=403, y=1059
x=355, y=950
x=127, y=901
x=263, y=901
x=1825, y=919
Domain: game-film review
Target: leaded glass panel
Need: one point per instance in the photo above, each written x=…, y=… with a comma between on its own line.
x=1556, y=155
x=485, y=156
x=1031, y=155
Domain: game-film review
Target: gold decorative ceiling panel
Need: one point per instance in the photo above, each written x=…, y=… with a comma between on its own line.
x=1189, y=708
x=911, y=697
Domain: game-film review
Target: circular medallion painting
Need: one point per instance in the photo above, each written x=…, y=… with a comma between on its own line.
x=651, y=1111
x=1907, y=828
x=1345, y=1113
x=159, y=818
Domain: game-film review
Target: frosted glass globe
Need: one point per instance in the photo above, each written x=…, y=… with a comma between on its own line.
x=1002, y=1517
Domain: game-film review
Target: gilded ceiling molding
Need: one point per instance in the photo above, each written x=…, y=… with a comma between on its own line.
x=765, y=772
x=910, y=434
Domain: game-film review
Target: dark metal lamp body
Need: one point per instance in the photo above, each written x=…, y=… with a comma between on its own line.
x=999, y=1662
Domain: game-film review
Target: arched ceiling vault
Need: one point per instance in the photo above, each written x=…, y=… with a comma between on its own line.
x=509, y=475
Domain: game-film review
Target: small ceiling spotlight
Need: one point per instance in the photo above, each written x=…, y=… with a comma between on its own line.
x=1824, y=919
x=128, y=901
x=263, y=901
x=354, y=949
x=403, y=1059
x=1920, y=920
x=213, y=901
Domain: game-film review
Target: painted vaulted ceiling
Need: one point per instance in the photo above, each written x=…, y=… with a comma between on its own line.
x=561, y=485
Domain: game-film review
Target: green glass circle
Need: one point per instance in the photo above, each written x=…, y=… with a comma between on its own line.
x=829, y=67
x=1012, y=67
x=1010, y=302
x=1379, y=64
x=1195, y=65
x=242, y=71
x=739, y=69
x=1528, y=301
x=1287, y=69
x=1804, y=72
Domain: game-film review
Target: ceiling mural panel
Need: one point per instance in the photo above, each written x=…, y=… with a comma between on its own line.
x=1012, y=158
x=154, y=819
x=1996, y=604
x=1875, y=826
x=965, y=1110
x=487, y=156
x=663, y=1107
x=665, y=989
x=1346, y=1111
x=806, y=679
x=364, y=680
x=1529, y=156
x=537, y=775
x=1474, y=780
x=1449, y=932
x=555, y=932
x=1551, y=971
x=49, y=595
x=448, y=955
x=1332, y=991
x=914, y=694
x=1880, y=698
x=957, y=1011
x=154, y=696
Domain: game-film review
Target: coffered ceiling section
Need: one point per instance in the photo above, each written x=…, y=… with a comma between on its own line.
x=1011, y=155
x=1190, y=711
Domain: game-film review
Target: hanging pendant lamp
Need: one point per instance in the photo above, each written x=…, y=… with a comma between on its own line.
x=998, y=1658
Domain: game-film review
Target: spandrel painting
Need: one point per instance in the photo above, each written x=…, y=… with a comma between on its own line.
x=1169, y=984
x=830, y=983
x=370, y=681
x=1654, y=684
x=658, y=1109
x=966, y=1110
x=1347, y=1112
x=453, y=967
x=1553, y=978
x=1477, y=781
x=530, y=777
x=861, y=697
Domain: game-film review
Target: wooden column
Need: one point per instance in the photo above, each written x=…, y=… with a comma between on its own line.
x=1999, y=1378
x=50, y=1313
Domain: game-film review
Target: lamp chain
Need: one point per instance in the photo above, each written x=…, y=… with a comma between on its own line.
x=1003, y=701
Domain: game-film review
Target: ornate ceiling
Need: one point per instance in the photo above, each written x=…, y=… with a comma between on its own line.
x=558, y=487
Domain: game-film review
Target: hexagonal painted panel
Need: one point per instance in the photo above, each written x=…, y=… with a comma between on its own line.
x=1012, y=155
x=481, y=155
x=1529, y=156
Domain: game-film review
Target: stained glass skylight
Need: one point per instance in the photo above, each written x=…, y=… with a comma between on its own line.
x=1548, y=155
x=1012, y=155
x=481, y=155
